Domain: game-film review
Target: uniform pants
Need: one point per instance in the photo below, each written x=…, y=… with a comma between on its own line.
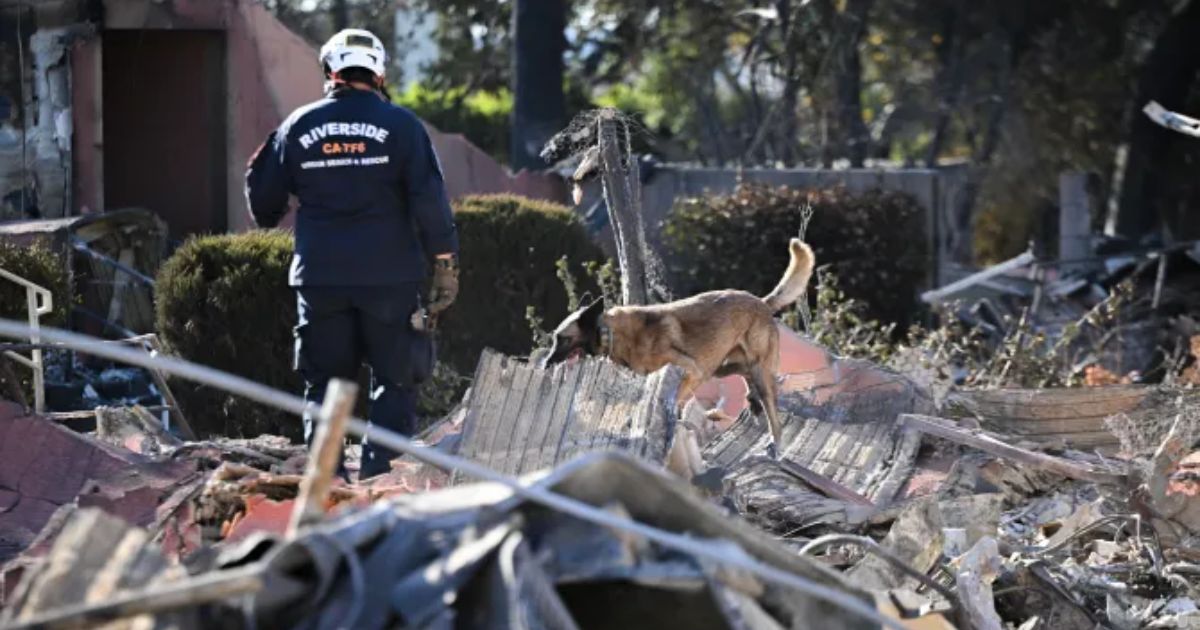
x=341, y=327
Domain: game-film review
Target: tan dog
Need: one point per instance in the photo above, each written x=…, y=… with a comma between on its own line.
x=717, y=333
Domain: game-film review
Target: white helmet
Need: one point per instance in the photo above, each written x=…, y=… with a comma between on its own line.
x=354, y=48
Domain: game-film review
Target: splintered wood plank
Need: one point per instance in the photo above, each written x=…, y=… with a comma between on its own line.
x=483, y=391
x=1026, y=426
x=539, y=395
x=877, y=460
x=613, y=424
x=592, y=429
x=827, y=486
x=781, y=503
x=513, y=415
x=609, y=392
x=564, y=409
x=641, y=424
x=833, y=459
x=661, y=413
x=560, y=387
x=813, y=442
x=497, y=419
x=631, y=436
x=583, y=405
x=486, y=394
x=617, y=424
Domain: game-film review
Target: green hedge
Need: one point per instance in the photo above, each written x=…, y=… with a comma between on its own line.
x=510, y=246
x=40, y=266
x=875, y=241
x=223, y=301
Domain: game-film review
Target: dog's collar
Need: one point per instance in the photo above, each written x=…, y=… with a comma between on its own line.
x=606, y=338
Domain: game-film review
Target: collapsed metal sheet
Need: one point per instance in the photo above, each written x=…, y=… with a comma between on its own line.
x=849, y=436
x=521, y=419
x=839, y=424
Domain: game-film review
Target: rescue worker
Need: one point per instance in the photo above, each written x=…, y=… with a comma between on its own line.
x=373, y=216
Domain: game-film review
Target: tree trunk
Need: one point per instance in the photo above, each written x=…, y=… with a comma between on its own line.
x=1166, y=77
x=852, y=135
x=622, y=194
x=964, y=215
x=789, y=129
x=539, y=105
x=947, y=82
x=341, y=14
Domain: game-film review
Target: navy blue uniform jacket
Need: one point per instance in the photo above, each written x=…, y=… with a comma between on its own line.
x=373, y=207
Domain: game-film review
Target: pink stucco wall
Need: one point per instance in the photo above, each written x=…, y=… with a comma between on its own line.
x=278, y=72
x=271, y=71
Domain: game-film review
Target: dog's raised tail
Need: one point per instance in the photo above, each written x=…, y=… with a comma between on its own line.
x=795, y=279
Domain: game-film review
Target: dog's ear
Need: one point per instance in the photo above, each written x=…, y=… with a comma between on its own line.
x=592, y=312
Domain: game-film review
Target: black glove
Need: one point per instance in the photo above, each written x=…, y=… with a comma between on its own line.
x=444, y=289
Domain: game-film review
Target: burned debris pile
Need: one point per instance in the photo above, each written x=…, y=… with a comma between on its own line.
x=929, y=505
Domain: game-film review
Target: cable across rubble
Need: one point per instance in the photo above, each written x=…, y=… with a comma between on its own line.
x=296, y=405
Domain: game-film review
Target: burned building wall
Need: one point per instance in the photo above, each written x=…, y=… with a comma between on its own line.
x=49, y=129
x=35, y=107
x=17, y=196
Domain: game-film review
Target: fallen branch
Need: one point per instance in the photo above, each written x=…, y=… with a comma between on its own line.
x=949, y=430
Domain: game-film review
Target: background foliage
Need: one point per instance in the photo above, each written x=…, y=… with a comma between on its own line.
x=223, y=301
x=40, y=266
x=511, y=247
x=1017, y=89
x=740, y=241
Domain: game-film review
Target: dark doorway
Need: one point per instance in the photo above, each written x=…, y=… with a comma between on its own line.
x=164, y=126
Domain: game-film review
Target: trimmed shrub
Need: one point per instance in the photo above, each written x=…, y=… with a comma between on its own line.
x=510, y=249
x=40, y=266
x=875, y=243
x=223, y=301
x=43, y=267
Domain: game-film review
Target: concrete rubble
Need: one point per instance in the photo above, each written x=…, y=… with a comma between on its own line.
x=955, y=508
